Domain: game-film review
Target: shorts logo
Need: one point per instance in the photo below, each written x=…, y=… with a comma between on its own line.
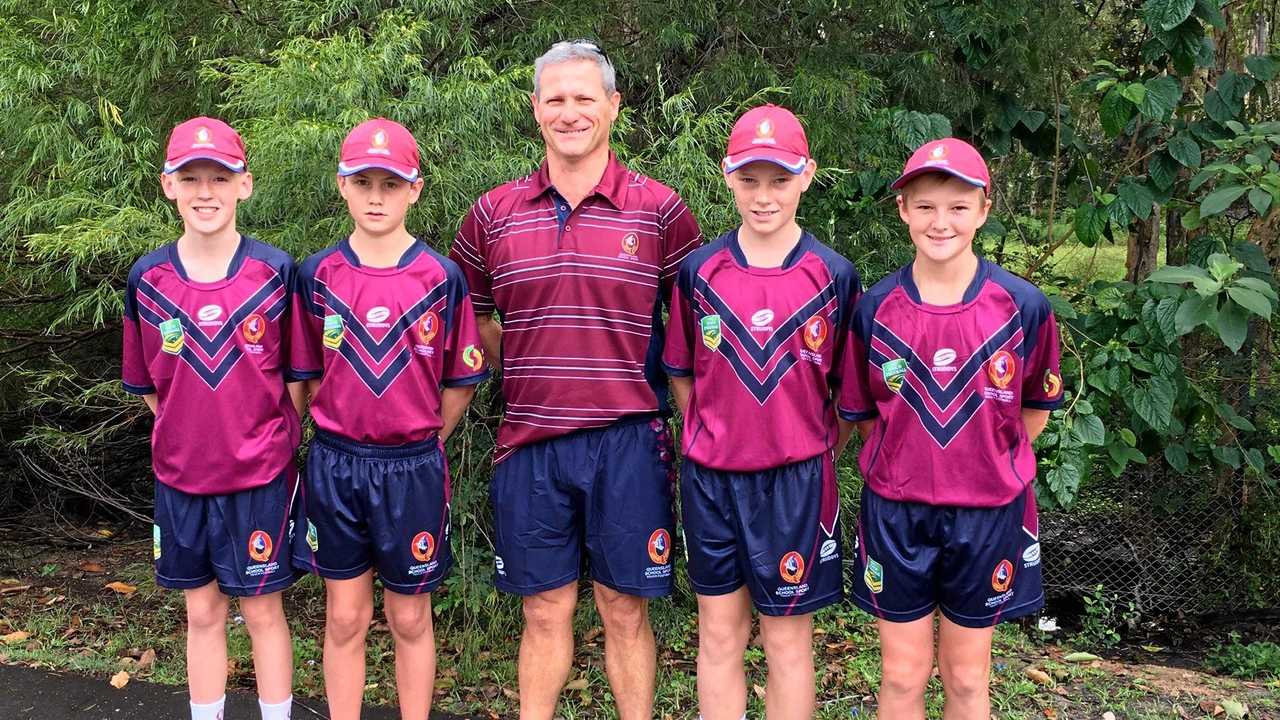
x=829, y=548
x=209, y=313
x=428, y=326
x=472, y=357
x=253, y=328
x=1001, y=368
x=894, y=371
x=313, y=538
x=260, y=546
x=1052, y=384
x=791, y=567
x=873, y=576
x=333, y=331
x=1002, y=576
x=761, y=317
x=944, y=357
x=1031, y=556
x=499, y=565
x=630, y=244
x=711, y=331
x=171, y=336
x=660, y=546
x=155, y=542
x=423, y=547
x=815, y=332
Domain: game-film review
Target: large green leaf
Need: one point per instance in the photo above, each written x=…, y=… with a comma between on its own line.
x=1262, y=67
x=1251, y=300
x=1185, y=150
x=1089, y=223
x=1114, y=112
x=1153, y=400
x=1165, y=313
x=1208, y=11
x=1161, y=97
x=1137, y=197
x=1220, y=199
x=1135, y=92
x=1089, y=430
x=1167, y=14
x=1233, y=325
x=1260, y=200
x=1260, y=286
x=1176, y=456
x=1193, y=311
x=1226, y=100
x=1178, y=274
x=1163, y=170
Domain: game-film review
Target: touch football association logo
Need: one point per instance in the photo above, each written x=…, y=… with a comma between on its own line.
x=660, y=546
x=171, y=337
x=260, y=546
x=428, y=327
x=815, y=332
x=894, y=372
x=711, y=336
x=791, y=567
x=423, y=547
x=1001, y=368
x=253, y=328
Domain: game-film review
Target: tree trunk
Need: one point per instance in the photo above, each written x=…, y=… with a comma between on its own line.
x=1144, y=244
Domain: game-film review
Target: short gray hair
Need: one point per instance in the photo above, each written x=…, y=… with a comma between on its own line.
x=571, y=50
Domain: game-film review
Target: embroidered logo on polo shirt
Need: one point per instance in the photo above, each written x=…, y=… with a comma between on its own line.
x=333, y=331
x=760, y=320
x=630, y=244
x=428, y=327
x=171, y=337
x=711, y=335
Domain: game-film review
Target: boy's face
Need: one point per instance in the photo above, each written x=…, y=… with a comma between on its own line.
x=573, y=110
x=378, y=200
x=206, y=194
x=767, y=195
x=942, y=214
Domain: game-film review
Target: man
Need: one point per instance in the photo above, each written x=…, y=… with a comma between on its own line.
x=578, y=260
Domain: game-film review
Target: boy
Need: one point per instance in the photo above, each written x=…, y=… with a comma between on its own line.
x=756, y=331
x=384, y=332
x=952, y=370
x=205, y=346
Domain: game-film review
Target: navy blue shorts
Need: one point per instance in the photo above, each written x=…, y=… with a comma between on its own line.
x=241, y=540
x=608, y=489
x=376, y=506
x=775, y=531
x=979, y=566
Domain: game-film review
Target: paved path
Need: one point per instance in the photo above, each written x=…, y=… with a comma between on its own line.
x=27, y=694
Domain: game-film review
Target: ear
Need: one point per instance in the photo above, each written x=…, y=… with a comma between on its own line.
x=806, y=175
x=342, y=185
x=246, y=185
x=902, y=207
x=728, y=180
x=983, y=210
x=533, y=103
x=615, y=103
x=170, y=186
x=415, y=190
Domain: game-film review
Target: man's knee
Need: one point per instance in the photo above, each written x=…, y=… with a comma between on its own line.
x=550, y=612
x=626, y=615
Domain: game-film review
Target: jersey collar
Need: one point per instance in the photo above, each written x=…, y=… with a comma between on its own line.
x=612, y=185
x=410, y=254
x=233, y=267
x=793, y=257
x=970, y=293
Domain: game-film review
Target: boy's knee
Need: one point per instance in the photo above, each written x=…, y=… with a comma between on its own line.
x=207, y=611
x=348, y=623
x=723, y=639
x=905, y=678
x=961, y=681
x=409, y=620
x=262, y=613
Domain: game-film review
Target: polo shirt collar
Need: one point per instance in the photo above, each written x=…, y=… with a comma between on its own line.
x=612, y=185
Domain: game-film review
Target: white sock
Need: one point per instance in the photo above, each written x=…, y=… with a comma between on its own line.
x=209, y=711
x=279, y=711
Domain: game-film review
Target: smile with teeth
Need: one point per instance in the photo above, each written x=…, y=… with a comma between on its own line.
x=574, y=131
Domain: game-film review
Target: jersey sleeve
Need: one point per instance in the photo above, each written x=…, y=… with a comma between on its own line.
x=1042, y=383
x=464, y=361
x=289, y=274
x=468, y=251
x=848, y=290
x=680, y=236
x=306, y=328
x=134, y=373
x=856, y=402
x=677, y=353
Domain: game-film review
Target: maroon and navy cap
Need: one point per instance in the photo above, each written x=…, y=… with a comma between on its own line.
x=383, y=144
x=204, y=138
x=952, y=156
x=769, y=133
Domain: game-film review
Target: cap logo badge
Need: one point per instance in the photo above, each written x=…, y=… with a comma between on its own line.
x=203, y=138
x=764, y=134
x=938, y=155
x=379, y=144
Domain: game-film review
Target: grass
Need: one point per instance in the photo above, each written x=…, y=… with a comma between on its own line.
x=74, y=623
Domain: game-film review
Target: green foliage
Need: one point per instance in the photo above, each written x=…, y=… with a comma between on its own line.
x=1252, y=660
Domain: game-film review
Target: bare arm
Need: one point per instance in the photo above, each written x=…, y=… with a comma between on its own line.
x=681, y=388
x=846, y=432
x=491, y=337
x=152, y=401
x=1034, y=420
x=299, y=395
x=453, y=403
x=865, y=427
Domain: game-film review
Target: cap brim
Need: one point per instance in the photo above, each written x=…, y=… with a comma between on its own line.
x=226, y=161
x=351, y=167
x=793, y=163
x=912, y=175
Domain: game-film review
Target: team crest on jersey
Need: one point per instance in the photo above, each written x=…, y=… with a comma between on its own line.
x=1052, y=383
x=815, y=332
x=260, y=546
x=423, y=547
x=894, y=372
x=791, y=567
x=333, y=331
x=630, y=244
x=711, y=335
x=660, y=546
x=428, y=327
x=253, y=328
x=171, y=337
x=873, y=576
x=1001, y=368
x=155, y=542
x=472, y=357
x=1002, y=576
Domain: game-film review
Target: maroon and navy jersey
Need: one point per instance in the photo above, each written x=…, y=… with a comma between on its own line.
x=580, y=293
x=383, y=341
x=764, y=347
x=215, y=355
x=947, y=386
